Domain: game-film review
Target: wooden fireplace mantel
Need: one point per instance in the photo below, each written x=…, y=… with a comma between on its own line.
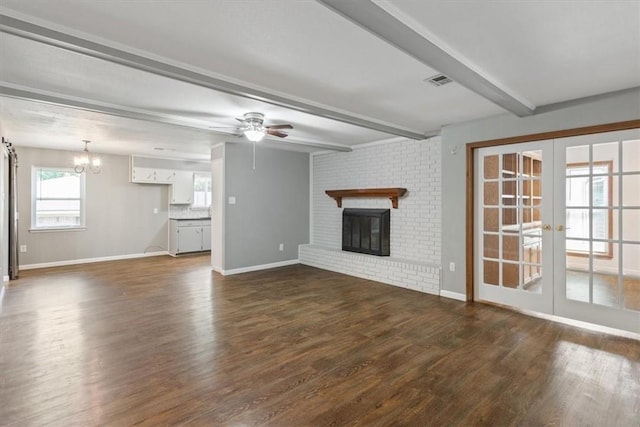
x=391, y=193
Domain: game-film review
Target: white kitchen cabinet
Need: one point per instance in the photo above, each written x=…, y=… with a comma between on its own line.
x=182, y=189
x=189, y=235
x=165, y=176
x=143, y=175
x=152, y=175
x=189, y=239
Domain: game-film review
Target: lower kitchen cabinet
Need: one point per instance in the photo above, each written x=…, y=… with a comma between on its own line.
x=189, y=235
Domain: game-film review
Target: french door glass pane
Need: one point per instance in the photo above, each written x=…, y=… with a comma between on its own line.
x=606, y=274
x=491, y=167
x=630, y=155
x=605, y=154
x=631, y=224
x=631, y=190
x=512, y=197
x=631, y=276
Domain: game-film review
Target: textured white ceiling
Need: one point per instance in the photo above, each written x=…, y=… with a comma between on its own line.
x=545, y=52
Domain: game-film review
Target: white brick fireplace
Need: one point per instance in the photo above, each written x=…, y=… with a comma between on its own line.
x=415, y=226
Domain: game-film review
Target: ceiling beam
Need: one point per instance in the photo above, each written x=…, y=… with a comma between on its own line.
x=30, y=94
x=21, y=28
x=387, y=27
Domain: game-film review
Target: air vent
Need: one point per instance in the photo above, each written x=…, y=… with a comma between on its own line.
x=438, y=80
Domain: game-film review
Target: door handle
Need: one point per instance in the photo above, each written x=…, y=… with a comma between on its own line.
x=562, y=228
x=546, y=227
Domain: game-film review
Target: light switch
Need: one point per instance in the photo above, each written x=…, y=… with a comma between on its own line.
x=232, y=200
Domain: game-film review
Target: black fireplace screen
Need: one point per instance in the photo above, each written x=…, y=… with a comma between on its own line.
x=366, y=231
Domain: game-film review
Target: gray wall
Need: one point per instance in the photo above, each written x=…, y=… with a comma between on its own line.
x=119, y=214
x=272, y=205
x=621, y=107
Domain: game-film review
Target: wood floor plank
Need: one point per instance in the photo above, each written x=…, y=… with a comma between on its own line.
x=165, y=341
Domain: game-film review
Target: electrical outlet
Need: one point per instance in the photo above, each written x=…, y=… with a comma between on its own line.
x=23, y=248
x=232, y=200
x=155, y=210
x=281, y=247
x=452, y=266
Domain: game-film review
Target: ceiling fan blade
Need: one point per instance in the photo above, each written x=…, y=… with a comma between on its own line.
x=287, y=126
x=276, y=133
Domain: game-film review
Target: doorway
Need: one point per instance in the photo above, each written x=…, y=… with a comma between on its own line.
x=558, y=227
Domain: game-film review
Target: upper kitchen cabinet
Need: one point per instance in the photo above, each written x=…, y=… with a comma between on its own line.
x=152, y=176
x=181, y=192
x=190, y=181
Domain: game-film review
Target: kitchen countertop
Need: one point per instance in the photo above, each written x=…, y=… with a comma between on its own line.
x=191, y=219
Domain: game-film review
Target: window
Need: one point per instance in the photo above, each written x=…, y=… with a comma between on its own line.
x=579, y=177
x=201, y=190
x=57, y=199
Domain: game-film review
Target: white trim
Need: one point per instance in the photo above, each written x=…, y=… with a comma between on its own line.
x=56, y=229
x=2, y=290
x=453, y=295
x=90, y=260
x=311, y=195
x=257, y=267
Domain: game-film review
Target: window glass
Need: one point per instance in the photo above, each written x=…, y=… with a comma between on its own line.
x=201, y=189
x=57, y=198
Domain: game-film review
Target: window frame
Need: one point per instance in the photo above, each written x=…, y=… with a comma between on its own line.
x=34, y=199
x=608, y=254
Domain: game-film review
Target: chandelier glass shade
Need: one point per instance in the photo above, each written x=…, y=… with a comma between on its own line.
x=85, y=161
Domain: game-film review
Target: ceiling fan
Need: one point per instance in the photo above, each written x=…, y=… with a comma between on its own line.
x=254, y=129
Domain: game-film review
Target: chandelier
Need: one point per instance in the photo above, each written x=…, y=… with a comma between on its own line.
x=86, y=161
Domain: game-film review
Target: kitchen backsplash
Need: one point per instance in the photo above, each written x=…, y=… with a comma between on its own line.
x=179, y=211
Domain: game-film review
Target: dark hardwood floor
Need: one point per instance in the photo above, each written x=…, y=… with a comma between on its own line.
x=164, y=341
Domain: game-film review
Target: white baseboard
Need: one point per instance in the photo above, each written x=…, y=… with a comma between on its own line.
x=453, y=295
x=90, y=260
x=2, y=286
x=257, y=267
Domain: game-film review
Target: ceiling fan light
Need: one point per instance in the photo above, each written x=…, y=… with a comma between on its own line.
x=254, y=135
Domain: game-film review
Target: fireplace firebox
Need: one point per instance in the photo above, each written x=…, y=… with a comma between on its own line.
x=366, y=231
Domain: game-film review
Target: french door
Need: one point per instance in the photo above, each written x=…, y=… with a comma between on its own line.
x=597, y=229
x=514, y=211
x=558, y=227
